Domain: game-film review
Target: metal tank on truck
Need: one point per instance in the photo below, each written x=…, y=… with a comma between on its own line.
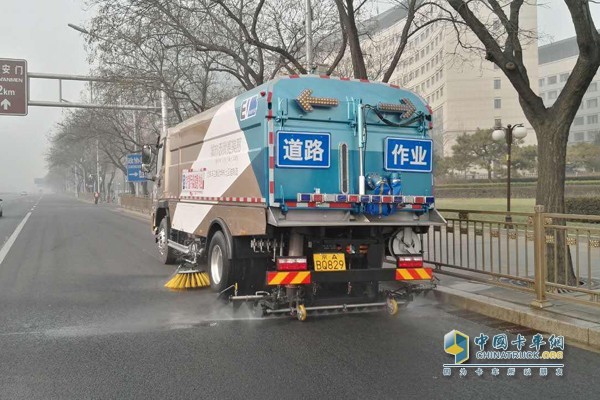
x=304, y=194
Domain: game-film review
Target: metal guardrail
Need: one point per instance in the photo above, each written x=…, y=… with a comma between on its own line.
x=548, y=254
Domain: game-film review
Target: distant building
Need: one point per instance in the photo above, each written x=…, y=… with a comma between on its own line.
x=556, y=62
x=465, y=91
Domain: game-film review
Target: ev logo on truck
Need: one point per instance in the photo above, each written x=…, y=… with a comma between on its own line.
x=249, y=107
x=411, y=155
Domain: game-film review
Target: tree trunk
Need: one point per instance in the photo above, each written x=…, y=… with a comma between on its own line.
x=110, y=185
x=550, y=193
x=348, y=18
x=489, y=171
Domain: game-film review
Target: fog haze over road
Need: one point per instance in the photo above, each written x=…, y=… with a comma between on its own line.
x=36, y=30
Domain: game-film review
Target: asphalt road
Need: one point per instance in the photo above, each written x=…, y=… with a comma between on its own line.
x=15, y=208
x=83, y=314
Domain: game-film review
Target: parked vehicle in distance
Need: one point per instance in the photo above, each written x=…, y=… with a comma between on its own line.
x=24, y=193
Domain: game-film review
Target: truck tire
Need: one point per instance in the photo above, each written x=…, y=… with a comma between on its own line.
x=167, y=254
x=219, y=263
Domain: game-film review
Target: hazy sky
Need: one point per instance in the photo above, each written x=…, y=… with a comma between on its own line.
x=36, y=30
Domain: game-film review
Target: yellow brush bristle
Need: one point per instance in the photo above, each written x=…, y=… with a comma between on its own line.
x=204, y=279
x=182, y=281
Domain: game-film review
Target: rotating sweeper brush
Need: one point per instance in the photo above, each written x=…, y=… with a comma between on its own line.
x=189, y=275
x=186, y=277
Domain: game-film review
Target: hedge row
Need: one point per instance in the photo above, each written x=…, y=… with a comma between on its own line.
x=521, y=179
x=513, y=184
x=583, y=205
x=523, y=192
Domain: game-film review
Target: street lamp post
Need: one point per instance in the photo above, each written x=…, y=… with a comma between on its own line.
x=517, y=131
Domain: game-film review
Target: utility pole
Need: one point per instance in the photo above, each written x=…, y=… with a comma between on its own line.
x=309, y=44
x=163, y=112
x=97, y=166
x=135, y=149
x=162, y=139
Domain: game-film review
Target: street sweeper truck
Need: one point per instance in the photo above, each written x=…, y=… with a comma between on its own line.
x=304, y=194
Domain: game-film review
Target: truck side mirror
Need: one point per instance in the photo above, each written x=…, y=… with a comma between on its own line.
x=146, y=158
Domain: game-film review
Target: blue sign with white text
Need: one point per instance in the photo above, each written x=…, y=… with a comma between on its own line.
x=412, y=155
x=135, y=174
x=134, y=168
x=134, y=159
x=303, y=150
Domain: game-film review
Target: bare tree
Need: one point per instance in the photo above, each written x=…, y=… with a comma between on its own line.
x=250, y=41
x=552, y=123
x=359, y=25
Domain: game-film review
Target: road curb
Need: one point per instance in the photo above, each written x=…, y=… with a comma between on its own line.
x=133, y=213
x=582, y=331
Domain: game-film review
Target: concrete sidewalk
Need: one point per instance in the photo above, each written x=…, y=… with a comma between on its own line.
x=134, y=213
x=574, y=321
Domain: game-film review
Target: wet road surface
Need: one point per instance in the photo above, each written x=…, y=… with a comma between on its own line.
x=83, y=314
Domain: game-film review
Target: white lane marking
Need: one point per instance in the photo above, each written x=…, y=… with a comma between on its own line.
x=11, y=240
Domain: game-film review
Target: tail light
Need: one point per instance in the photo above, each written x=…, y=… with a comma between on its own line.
x=410, y=262
x=292, y=264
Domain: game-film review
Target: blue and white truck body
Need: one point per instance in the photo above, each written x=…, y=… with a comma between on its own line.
x=297, y=192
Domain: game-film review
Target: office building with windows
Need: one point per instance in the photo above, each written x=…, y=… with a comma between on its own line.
x=464, y=91
x=556, y=61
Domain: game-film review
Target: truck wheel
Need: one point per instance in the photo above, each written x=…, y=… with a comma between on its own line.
x=404, y=241
x=166, y=253
x=219, y=264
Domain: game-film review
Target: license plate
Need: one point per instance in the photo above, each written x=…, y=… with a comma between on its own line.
x=329, y=262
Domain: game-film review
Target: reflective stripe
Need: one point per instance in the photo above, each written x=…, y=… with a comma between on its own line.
x=302, y=277
x=411, y=274
x=423, y=274
x=288, y=278
x=278, y=278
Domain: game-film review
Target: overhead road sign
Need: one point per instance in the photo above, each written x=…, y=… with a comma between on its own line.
x=13, y=87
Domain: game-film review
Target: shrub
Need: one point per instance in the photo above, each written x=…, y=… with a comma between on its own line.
x=583, y=205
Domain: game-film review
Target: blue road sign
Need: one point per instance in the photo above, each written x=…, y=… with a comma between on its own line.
x=412, y=155
x=303, y=150
x=135, y=174
x=134, y=168
x=134, y=159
